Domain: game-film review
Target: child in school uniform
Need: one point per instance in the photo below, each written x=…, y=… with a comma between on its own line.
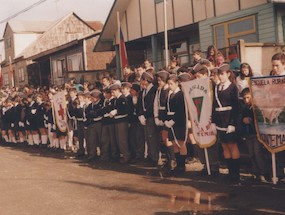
x=258, y=165
x=225, y=116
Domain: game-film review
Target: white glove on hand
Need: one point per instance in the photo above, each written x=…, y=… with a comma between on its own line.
x=158, y=122
x=113, y=112
x=231, y=129
x=214, y=128
x=169, y=123
x=53, y=127
x=142, y=120
x=12, y=125
x=34, y=111
x=27, y=122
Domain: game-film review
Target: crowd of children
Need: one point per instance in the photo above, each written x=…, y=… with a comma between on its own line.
x=134, y=120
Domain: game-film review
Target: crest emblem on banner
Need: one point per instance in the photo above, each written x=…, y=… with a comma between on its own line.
x=59, y=111
x=199, y=99
x=269, y=111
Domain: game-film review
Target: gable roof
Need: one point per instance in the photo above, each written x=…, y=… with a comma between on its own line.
x=25, y=26
x=57, y=35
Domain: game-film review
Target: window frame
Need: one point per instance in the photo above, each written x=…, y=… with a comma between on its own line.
x=228, y=36
x=21, y=74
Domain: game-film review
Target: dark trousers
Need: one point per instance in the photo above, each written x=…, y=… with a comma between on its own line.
x=108, y=143
x=257, y=159
x=93, y=138
x=136, y=140
x=151, y=133
x=81, y=136
x=121, y=132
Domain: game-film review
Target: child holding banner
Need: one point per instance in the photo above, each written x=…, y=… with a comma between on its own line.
x=225, y=116
x=259, y=169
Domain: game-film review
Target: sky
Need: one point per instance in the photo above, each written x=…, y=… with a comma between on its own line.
x=88, y=10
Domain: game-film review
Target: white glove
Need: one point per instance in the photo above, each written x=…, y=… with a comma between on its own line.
x=27, y=122
x=113, y=112
x=231, y=129
x=169, y=123
x=53, y=127
x=161, y=123
x=12, y=125
x=142, y=120
x=158, y=122
x=189, y=124
x=34, y=111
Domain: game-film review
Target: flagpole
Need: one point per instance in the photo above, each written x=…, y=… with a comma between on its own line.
x=274, y=168
x=165, y=34
x=207, y=161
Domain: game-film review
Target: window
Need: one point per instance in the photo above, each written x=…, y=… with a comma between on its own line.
x=21, y=75
x=179, y=49
x=74, y=62
x=228, y=33
x=58, y=68
x=9, y=42
x=6, y=79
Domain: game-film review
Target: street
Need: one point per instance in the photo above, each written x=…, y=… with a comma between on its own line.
x=37, y=181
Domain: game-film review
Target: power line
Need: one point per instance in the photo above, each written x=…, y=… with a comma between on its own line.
x=22, y=11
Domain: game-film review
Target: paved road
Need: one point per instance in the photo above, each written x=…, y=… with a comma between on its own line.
x=34, y=182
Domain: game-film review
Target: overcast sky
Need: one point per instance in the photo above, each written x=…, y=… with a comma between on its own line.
x=54, y=9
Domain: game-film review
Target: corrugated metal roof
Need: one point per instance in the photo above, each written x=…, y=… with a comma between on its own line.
x=20, y=26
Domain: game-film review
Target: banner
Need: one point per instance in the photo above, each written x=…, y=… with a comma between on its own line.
x=269, y=111
x=59, y=111
x=11, y=72
x=199, y=98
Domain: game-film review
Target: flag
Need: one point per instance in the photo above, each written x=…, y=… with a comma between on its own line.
x=199, y=98
x=123, y=51
x=59, y=111
x=269, y=111
x=11, y=72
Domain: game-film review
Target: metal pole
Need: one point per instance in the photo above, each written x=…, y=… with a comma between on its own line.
x=165, y=34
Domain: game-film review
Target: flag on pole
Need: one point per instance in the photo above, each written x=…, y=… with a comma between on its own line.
x=11, y=72
x=123, y=51
x=59, y=111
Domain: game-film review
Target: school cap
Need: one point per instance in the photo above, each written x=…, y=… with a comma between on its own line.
x=163, y=75
x=172, y=77
x=106, y=89
x=147, y=76
x=199, y=67
x=115, y=87
x=95, y=93
x=204, y=61
x=136, y=87
x=224, y=67
x=126, y=84
x=214, y=70
x=183, y=77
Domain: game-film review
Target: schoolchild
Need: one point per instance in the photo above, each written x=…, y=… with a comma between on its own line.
x=31, y=121
x=20, y=119
x=80, y=124
x=258, y=165
x=94, y=131
x=109, y=147
x=159, y=107
x=136, y=130
x=41, y=126
x=225, y=116
x=176, y=124
x=146, y=118
x=71, y=119
x=120, y=115
x=5, y=121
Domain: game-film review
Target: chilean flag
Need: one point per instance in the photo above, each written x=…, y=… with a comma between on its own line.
x=123, y=51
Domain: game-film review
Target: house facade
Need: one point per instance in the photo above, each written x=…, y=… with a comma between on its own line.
x=17, y=36
x=61, y=51
x=191, y=25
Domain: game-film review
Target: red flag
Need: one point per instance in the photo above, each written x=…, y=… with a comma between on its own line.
x=123, y=51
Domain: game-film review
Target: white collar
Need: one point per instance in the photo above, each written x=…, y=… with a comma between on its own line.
x=225, y=85
x=119, y=95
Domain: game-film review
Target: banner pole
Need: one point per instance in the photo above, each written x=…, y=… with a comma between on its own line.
x=274, y=167
x=207, y=161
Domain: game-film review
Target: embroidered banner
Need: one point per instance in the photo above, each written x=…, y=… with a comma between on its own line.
x=199, y=99
x=269, y=111
x=59, y=110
